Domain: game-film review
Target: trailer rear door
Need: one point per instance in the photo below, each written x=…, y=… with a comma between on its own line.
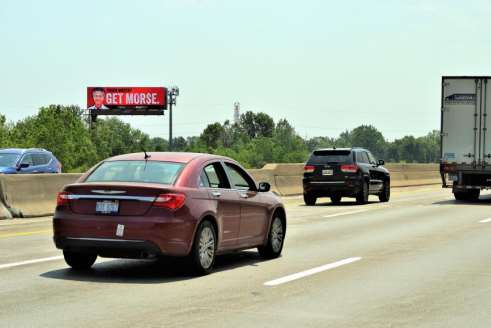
x=485, y=123
x=461, y=112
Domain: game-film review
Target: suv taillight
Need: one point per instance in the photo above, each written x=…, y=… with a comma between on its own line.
x=63, y=198
x=170, y=201
x=309, y=169
x=349, y=168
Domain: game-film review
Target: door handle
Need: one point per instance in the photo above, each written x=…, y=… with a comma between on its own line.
x=216, y=194
x=244, y=196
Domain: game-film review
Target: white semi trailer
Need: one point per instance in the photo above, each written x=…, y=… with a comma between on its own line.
x=465, y=140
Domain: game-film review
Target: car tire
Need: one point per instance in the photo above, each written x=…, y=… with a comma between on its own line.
x=276, y=238
x=384, y=196
x=204, y=249
x=79, y=261
x=362, y=197
x=336, y=199
x=309, y=200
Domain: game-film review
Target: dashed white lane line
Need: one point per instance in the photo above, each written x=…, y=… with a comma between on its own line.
x=485, y=220
x=16, y=264
x=344, y=213
x=310, y=272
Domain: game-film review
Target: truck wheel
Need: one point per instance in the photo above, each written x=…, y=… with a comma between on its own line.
x=459, y=195
x=469, y=195
x=384, y=196
x=362, y=197
x=474, y=194
x=309, y=199
x=336, y=199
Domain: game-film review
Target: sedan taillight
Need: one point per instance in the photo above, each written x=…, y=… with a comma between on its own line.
x=309, y=169
x=349, y=168
x=63, y=198
x=170, y=201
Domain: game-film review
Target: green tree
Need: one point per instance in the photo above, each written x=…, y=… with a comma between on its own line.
x=257, y=125
x=61, y=130
x=289, y=146
x=4, y=132
x=367, y=136
x=158, y=144
x=113, y=137
x=319, y=142
x=212, y=135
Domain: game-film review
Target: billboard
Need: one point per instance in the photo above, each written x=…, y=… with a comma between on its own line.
x=127, y=100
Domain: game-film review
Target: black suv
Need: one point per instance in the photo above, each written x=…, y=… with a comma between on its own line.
x=344, y=172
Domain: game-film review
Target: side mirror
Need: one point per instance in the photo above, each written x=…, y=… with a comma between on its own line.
x=380, y=162
x=264, y=187
x=22, y=166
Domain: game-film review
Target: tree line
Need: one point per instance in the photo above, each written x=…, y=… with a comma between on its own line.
x=254, y=141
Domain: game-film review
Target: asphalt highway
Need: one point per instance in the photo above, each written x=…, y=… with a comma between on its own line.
x=421, y=260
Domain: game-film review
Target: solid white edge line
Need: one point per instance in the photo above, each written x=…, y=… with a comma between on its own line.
x=344, y=213
x=485, y=220
x=16, y=264
x=310, y=272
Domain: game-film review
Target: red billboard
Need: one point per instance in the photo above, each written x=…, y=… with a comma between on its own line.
x=126, y=100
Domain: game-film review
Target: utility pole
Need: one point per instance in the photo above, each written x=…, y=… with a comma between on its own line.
x=172, y=98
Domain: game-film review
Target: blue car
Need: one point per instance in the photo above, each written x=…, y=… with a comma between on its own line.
x=28, y=161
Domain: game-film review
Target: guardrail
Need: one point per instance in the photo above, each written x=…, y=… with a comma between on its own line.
x=32, y=195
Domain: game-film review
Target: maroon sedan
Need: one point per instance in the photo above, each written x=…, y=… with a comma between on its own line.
x=167, y=204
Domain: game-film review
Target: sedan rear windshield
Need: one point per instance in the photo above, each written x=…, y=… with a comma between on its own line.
x=136, y=171
x=8, y=159
x=330, y=156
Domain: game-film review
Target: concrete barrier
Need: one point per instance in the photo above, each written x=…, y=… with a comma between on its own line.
x=286, y=179
x=31, y=195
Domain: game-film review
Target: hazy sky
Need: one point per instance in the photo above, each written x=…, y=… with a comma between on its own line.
x=326, y=66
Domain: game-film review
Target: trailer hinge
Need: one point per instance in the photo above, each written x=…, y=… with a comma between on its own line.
x=444, y=134
x=445, y=84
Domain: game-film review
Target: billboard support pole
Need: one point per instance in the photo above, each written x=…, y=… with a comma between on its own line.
x=173, y=93
x=170, y=125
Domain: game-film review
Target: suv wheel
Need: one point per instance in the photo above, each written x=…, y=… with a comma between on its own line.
x=79, y=261
x=204, y=248
x=384, y=196
x=276, y=238
x=362, y=197
x=309, y=199
x=336, y=199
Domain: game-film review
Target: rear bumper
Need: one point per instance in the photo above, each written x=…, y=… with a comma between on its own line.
x=154, y=235
x=119, y=248
x=345, y=188
x=466, y=179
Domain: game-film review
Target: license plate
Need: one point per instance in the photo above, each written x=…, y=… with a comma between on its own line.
x=107, y=207
x=120, y=230
x=326, y=172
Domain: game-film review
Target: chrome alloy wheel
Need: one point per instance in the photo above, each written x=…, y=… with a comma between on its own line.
x=206, y=247
x=276, y=235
